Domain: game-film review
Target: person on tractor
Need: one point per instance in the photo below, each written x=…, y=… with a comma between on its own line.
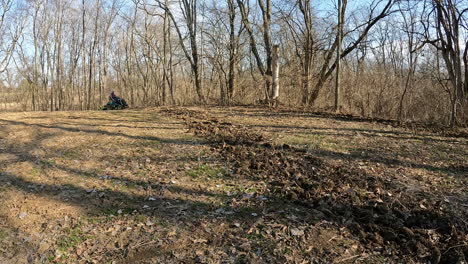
x=115, y=103
x=113, y=97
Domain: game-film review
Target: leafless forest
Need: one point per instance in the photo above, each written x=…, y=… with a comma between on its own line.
x=398, y=59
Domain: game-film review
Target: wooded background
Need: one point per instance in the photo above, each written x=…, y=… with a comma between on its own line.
x=400, y=59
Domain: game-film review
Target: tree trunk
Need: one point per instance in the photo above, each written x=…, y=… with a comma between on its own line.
x=232, y=51
x=165, y=87
x=275, y=73
x=338, y=56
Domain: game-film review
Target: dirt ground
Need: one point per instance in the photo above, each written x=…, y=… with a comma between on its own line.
x=229, y=185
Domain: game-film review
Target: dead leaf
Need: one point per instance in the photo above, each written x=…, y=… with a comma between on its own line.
x=297, y=232
x=199, y=241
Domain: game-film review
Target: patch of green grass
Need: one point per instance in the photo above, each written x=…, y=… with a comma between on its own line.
x=333, y=146
x=63, y=259
x=132, y=185
x=140, y=150
x=69, y=241
x=129, y=185
x=71, y=154
x=46, y=164
x=252, y=190
x=3, y=235
x=304, y=138
x=111, y=211
x=197, y=205
x=164, y=224
x=192, y=138
x=227, y=189
x=304, y=252
x=36, y=171
x=141, y=218
x=254, y=236
x=93, y=220
x=153, y=143
x=381, y=259
x=287, y=251
x=207, y=171
x=141, y=173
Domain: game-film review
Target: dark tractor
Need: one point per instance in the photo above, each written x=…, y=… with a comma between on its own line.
x=115, y=103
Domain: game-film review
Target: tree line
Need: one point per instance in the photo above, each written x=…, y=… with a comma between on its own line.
x=402, y=59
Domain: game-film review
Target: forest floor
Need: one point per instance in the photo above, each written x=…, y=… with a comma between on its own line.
x=229, y=185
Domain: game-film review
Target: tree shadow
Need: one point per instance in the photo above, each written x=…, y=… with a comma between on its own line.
x=116, y=126
x=365, y=154
x=104, y=132
x=257, y=112
x=97, y=205
x=396, y=135
x=109, y=120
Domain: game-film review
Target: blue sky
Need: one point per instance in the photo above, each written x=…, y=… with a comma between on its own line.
x=329, y=5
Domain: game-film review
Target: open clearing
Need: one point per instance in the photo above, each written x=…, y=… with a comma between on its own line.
x=228, y=185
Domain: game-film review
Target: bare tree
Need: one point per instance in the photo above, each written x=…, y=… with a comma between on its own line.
x=408, y=15
x=448, y=18
x=167, y=57
x=265, y=70
x=188, y=9
x=300, y=24
x=339, y=36
x=9, y=33
x=328, y=67
x=233, y=46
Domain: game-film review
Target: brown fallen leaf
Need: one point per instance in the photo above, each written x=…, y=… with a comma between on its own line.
x=199, y=241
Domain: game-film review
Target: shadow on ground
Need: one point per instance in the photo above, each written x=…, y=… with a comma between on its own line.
x=233, y=225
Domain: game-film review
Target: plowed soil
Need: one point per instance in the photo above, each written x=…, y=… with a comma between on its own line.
x=229, y=185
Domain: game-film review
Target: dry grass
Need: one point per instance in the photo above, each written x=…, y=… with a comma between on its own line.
x=135, y=186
